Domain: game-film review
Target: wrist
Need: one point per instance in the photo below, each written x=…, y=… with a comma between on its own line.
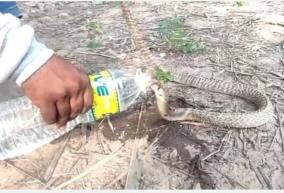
x=37, y=56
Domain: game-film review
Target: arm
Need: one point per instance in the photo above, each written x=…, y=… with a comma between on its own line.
x=57, y=87
x=20, y=53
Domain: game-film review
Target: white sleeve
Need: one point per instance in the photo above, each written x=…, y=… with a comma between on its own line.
x=20, y=53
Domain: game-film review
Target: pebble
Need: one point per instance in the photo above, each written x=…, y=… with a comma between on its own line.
x=162, y=55
x=62, y=52
x=63, y=15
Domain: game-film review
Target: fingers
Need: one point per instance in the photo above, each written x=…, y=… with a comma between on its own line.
x=49, y=113
x=88, y=98
x=70, y=95
x=77, y=105
x=63, y=110
x=81, y=103
x=81, y=99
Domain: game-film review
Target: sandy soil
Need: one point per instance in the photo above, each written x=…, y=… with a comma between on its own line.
x=242, y=43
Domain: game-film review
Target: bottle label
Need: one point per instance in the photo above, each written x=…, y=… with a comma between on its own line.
x=105, y=96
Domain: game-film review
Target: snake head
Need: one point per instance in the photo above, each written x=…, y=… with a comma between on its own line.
x=159, y=91
x=161, y=98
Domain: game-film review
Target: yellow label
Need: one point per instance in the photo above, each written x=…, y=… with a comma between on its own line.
x=105, y=97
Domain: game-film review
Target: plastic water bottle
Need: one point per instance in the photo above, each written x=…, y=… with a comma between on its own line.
x=23, y=130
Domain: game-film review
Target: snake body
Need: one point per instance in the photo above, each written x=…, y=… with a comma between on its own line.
x=262, y=114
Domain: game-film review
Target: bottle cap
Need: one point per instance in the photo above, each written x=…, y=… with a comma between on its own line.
x=142, y=80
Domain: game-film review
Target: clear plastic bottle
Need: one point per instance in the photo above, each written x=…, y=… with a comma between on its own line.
x=22, y=128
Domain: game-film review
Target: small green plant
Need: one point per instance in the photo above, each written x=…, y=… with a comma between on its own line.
x=93, y=25
x=239, y=3
x=94, y=44
x=174, y=31
x=96, y=29
x=162, y=75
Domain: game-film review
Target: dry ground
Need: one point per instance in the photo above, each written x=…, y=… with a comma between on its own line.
x=242, y=43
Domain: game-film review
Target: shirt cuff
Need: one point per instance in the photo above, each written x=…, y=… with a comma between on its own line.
x=35, y=59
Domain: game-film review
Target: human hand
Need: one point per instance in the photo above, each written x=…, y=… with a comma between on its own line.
x=60, y=90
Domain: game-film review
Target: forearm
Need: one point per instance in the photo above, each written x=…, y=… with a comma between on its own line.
x=20, y=53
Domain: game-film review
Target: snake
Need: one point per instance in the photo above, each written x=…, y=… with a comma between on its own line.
x=262, y=114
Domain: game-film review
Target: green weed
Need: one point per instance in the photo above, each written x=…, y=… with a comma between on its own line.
x=93, y=25
x=239, y=3
x=162, y=75
x=175, y=33
x=94, y=44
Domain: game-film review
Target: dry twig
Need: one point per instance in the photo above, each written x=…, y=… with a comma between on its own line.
x=224, y=140
x=280, y=128
x=97, y=54
x=112, y=128
x=51, y=181
x=53, y=164
x=90, y=169
x=263, y=181
x=134, y=170
x=147, y=151
x=115, y=180
x=25, y=172
x=176, y=168
x=231, y=180
x=282, y=61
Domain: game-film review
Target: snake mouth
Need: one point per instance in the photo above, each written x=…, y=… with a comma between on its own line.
x=158, y=90
x=155, y=87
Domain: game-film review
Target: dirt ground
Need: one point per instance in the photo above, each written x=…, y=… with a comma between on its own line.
x=242, y=43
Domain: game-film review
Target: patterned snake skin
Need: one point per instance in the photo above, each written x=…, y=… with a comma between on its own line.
x=260, y=116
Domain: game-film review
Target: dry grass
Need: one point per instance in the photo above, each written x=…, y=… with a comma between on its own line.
x=240, y=45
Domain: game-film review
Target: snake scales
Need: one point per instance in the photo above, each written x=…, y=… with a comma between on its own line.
x=262, y=114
